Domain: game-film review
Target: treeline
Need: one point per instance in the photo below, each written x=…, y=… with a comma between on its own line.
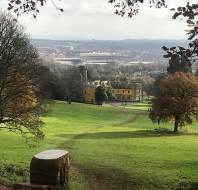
x=64, y=84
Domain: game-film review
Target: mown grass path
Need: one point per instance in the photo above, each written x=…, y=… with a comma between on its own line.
x=111, y=148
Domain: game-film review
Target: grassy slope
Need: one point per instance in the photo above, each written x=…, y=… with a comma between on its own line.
x=111, y=148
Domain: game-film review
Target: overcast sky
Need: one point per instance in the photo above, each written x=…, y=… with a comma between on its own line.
x=94, y=19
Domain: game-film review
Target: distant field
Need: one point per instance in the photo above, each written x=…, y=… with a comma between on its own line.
x=111, y=147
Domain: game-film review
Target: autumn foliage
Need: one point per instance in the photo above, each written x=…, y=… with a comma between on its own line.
x=20, y=106
x=177, y=100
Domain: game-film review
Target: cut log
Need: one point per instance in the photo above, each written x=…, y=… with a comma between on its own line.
x=50, y=167
x=29, y=186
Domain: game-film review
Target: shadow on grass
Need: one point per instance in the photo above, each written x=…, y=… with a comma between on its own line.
x=12, y=173
x=187, y=186
x=193, y=186
x=101, y=177
x=106, y=178
x=126, y=134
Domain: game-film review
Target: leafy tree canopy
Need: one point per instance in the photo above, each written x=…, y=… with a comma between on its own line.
x=179, y=63
x=109, y=93
x=24, y=6
x=19, y=80
x=131, y=7
x=100, y=95
x=176, y=100
x=122, y=7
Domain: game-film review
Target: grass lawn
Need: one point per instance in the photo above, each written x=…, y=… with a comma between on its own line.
x=111, y=148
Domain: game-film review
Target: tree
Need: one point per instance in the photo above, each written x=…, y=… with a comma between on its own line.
x=131, y=7
x=19, y=81
x=72, y=83
x=26, y=6
x=100, y=95
x=147, y=84
x=109, y=93
x=179, y=63
x=176, y=100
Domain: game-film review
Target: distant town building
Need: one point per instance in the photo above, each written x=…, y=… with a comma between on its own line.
x=68, y=61
x=99, y=57
x=122, y=91
x=89, y=95
x=89, y=90
x=127, y=92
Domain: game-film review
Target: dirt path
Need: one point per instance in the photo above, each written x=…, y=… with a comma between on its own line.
x=104, y=178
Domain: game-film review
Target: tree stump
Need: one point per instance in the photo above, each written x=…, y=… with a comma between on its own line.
x=29, y=186
x=50, y=167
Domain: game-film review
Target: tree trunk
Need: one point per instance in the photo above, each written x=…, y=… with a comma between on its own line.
x=176, y=126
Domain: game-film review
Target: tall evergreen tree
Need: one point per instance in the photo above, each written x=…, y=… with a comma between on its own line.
x=179, y=63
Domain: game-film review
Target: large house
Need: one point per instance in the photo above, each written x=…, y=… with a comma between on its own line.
x=122, y=91
x=89, y=95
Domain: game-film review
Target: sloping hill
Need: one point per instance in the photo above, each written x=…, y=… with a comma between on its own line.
x=111, y=148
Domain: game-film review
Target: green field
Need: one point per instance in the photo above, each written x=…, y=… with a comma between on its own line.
x=116, y=148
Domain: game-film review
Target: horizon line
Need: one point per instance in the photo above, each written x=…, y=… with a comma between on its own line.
x=146, y=39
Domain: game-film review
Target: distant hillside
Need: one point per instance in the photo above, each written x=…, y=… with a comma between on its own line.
x=128, y=44
x=144, y=49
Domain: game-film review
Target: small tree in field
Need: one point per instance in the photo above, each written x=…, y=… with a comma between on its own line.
x=176, y=100
x=100, y=95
